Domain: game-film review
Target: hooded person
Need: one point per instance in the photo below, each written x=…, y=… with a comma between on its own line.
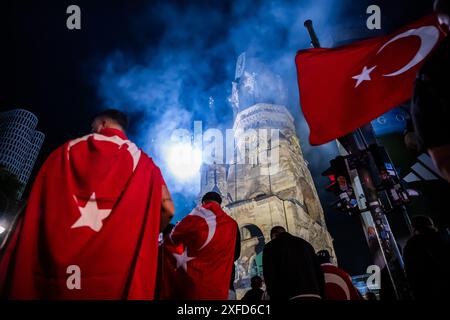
x=427, y=260
x=291, y=268
x=430, y=108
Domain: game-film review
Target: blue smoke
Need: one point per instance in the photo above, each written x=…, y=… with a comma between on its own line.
x=191, y=56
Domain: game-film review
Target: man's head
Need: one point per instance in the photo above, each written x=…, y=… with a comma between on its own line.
x=256, y=282
x=110, y=118
x=324, y=256
x=276, y=231
x=442, y=8
x=167, y=230
x=422, y=224
x=212, y=197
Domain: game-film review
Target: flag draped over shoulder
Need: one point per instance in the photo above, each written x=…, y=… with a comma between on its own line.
x=198, y=256
x=90, y=229
x=341, y=89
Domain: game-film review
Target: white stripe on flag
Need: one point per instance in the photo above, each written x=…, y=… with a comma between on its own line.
x=423, y=172
x=411, y=177
x=426, y=160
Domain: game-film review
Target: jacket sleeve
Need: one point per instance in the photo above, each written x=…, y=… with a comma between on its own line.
x=237, y=247
x=267, y=269
x=319, y=272
x=429, y=114
x=410, y=258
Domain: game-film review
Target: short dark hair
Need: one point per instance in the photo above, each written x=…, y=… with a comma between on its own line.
x=116, y=115
x=276, y=231
x=168, y=229
x=422, y=224
x=442, y=6
x=212, y=196
x=256, y=282
x=324, y=256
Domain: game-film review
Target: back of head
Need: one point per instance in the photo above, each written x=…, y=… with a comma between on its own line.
x=110, y=118
x=276, y=231
x=256, y=282
x=212, y=196
x=442, y=9
x=324, y=256
x=442, y=6
x=422, y=224
x=168, y=229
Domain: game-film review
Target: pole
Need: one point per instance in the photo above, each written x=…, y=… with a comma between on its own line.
x=312, y=34
x=386, y=240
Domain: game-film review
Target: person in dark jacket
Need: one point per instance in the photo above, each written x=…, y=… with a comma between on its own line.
x=291, y=268
x=237, y=254
x=427, y=261
x=387, y=290
x=255, y=293
x=430, y=109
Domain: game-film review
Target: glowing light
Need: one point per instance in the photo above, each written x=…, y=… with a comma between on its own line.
x=184, y=161
x=2, y=229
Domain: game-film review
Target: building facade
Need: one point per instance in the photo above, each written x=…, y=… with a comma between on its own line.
x=268, y=183
x=19, y=143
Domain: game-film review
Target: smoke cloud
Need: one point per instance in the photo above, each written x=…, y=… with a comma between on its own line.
x=168, y=85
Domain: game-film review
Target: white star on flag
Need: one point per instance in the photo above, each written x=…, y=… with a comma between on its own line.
x=182, y=259
x=91, y=215
x=363, y=76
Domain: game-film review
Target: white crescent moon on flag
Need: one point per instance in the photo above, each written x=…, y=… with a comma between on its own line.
x=132, y=148
x=429, y=36
x=210, y=219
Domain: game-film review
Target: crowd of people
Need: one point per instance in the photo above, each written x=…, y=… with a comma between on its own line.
x=292, y=271
x=193, y=260
x=111, y=205
x=98, y=205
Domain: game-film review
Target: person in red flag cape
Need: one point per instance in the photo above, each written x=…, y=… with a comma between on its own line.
x=338, y=284
x=91, y=226
x=341, y=89
x=199, y=253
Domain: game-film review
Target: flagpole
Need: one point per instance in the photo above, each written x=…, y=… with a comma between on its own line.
x=362, y=160
x=357, y=145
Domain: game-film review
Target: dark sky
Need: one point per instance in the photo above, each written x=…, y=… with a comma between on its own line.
x=162, y=60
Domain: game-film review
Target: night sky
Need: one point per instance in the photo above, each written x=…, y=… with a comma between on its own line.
x=160, y=61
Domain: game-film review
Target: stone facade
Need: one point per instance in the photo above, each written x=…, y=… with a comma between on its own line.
x=262, y=194
x=268, y=182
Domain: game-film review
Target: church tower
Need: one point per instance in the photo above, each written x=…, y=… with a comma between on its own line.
x=213, y=179
x=268, y=183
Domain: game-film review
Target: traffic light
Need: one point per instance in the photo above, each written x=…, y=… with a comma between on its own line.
x=341, y=186
x=388, y=183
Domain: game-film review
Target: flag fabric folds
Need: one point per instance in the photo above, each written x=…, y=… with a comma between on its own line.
x=91, y=226
x=198, y=256
x=343, y=88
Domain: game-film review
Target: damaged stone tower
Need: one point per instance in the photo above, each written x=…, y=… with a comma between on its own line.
x=272, y=185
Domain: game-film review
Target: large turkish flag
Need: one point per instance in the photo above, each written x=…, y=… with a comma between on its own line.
x=343, y=88
x=91, y=226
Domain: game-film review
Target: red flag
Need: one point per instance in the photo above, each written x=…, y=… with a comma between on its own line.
x=198, y=256
x=90, y=230
x=343, y=88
